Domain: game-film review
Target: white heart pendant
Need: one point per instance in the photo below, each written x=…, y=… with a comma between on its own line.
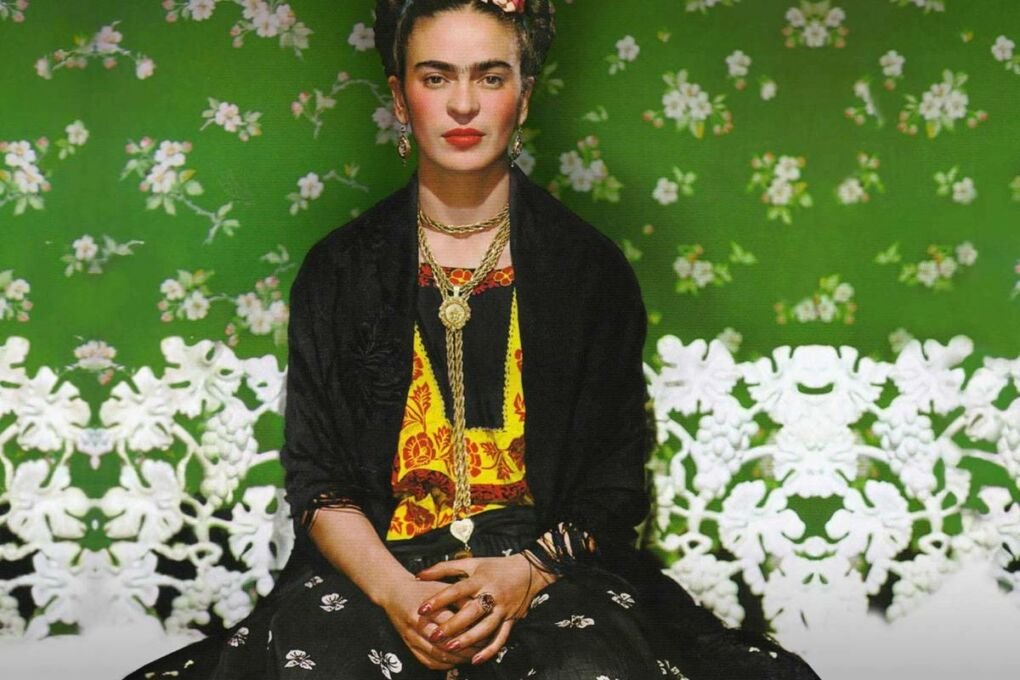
x=462, y=529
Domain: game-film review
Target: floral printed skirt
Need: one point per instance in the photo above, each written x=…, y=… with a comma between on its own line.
x=318, y=624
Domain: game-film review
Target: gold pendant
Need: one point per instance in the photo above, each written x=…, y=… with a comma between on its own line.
x=454, y=311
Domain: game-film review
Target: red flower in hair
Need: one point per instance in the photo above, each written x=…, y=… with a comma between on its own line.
x=509, y=5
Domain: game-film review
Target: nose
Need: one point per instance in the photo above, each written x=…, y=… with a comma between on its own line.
x=463, y=102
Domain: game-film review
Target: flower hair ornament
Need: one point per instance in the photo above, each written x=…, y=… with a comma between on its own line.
x=515, y=6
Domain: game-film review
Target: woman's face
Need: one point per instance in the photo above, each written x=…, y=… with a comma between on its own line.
x=463, y=93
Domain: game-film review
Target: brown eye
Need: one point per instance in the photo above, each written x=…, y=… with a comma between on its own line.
x=493, y=80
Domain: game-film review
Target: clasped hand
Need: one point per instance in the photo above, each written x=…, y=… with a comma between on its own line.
x=453, y=619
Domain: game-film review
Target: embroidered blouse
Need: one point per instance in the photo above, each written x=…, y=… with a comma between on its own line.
x=423, y=478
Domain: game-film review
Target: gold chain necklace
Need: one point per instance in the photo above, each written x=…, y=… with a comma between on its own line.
x=462, y=229
x=454, y=313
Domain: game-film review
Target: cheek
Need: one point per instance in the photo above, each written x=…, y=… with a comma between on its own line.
x=504, y=107
x=424, y=107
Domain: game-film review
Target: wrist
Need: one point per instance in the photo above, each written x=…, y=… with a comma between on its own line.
x=385, y=589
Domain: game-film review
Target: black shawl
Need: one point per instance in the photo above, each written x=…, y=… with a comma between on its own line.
x=587, y=437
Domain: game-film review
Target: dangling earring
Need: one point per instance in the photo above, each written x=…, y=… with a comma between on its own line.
x=403, y=144
x=517, y=147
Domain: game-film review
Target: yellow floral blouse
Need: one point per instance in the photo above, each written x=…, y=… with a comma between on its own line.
x=423, y=469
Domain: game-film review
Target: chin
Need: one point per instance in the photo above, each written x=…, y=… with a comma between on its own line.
x=462, y=162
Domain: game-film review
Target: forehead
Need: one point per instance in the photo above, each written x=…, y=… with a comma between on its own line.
x=462, y=37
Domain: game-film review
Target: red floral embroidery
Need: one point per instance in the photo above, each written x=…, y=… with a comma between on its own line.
x=497, y=278
x=519, y=358
x=418, y=367
x=418, y=451
x=419, y=519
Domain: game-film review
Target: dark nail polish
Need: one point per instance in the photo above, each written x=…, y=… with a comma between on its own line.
x=425, y=609
x=437, y=635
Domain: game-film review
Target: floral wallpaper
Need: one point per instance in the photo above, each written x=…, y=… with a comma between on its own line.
x=820, y=199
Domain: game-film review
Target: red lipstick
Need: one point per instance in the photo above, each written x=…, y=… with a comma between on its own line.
x=463, y=138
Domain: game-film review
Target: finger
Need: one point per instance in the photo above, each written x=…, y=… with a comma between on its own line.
x=480, y=633
x=428, y=626
x=448, y=569
x=435, y=654
x=498, y=642
x=469, y=616
x=447, y=596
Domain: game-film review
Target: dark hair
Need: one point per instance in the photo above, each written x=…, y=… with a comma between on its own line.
x=394, y=21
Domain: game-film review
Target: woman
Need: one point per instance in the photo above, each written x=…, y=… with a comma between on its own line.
x=437, y=535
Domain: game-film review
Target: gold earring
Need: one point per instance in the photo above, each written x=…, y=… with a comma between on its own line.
x=403, y=144
x=517, y=147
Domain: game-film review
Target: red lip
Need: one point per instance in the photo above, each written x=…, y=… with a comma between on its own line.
x=463, y=138
x=463, y=132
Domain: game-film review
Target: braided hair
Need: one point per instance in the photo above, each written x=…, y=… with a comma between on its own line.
x=395, y=19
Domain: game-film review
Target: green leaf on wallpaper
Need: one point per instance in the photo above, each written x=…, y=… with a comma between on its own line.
x=722, y=273
x=6, y=277
x=168, y=206
x=829, y=283
x=741, y=256
x=548, y=84
x=630, y=251
x=35, y=202
x=193, y=188
x=20, y=206
x=153, y=202
x=224, y=209
x=890, y=255
x=278, y=256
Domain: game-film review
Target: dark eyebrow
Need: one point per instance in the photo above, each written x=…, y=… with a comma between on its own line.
x=487, y=65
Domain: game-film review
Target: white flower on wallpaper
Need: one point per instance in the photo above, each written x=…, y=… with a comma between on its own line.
x=950, y=183
x=24, y=181
x=228, y=116
x=937, y=271
x=264, y=18
x=585, y=171
x=311, y=186
x=691, y=107
x=627, y=50
x=1002, y=50
x=104, y=45
x=262, y=311
x=362, y=37
x=667, y=191
x=15, y=11
x=892, y=68
x=97, y=357
x=940, y=107
x=14, y=302
x=87, y=255
x=867, y=108
x=815, y=24
x=926, y=5
x=704, y=5
x=312, y=106
x=857, y=187
x=167, y=182
x=832, y=301
x=782, y=187
x=695, y=273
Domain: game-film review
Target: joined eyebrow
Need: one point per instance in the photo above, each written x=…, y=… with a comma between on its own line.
x=487, y=65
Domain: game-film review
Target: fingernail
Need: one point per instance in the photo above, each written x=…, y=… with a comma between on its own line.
x=476, y=659
x=437, y=635
x=425, y=609
x=452, y=645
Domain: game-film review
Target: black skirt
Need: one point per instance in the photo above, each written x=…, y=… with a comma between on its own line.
x=591, y=625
